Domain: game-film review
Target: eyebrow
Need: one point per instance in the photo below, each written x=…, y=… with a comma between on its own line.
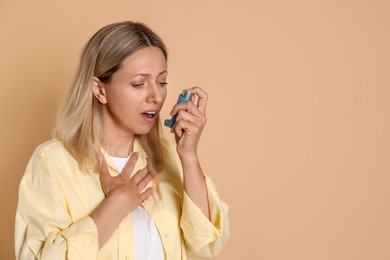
x=148, y=74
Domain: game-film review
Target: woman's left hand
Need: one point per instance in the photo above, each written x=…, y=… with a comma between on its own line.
x=190, y=121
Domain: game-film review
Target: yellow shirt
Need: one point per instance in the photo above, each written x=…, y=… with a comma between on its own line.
x=56, y=199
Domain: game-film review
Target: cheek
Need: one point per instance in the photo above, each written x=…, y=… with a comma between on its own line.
x=164, y=94
x=123, y=102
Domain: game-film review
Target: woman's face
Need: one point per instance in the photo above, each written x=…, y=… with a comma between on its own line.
x=136, y=93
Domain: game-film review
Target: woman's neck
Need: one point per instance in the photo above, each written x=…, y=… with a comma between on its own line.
x=117, y=145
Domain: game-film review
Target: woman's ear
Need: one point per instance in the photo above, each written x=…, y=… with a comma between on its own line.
x=98, y=90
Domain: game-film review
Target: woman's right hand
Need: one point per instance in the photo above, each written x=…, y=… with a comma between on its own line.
x=123, y=194
x=126, y=189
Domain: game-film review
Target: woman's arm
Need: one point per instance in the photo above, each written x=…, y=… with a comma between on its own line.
x=195, y=184
x=44, y=228
x=123, y=194
x=204, y=219
x=190, y=121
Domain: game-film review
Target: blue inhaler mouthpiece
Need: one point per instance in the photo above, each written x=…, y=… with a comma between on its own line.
x=185, y=96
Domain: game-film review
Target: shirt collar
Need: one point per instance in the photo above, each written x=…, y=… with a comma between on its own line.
x=141, y=163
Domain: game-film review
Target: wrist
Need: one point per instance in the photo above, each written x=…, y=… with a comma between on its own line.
x=189, y=158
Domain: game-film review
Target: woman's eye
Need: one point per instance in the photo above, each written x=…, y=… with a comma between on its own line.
x=162, y=83
x=137, y=85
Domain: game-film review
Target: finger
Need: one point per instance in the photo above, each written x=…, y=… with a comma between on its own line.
x=182, y=126
x=199, y=122
x=129, y=167
x=140, y=175
x=185, y=115
x=188, y=106
x=178, y=129
x=203, y=97
x=144, y=182
x=146, y=194
x=180, y=106
x=103, y=170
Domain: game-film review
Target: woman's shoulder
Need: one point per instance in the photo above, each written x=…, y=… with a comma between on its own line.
x=49, y=145
x=51, y=152
x=50, y=148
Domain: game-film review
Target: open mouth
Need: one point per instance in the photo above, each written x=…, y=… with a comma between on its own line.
x=150, y=114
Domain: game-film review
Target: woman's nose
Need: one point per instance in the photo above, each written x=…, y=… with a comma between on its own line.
x=155, y=94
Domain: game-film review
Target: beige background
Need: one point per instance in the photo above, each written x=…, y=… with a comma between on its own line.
x=298, y=131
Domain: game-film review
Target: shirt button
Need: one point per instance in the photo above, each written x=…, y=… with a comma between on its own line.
x=166, y=235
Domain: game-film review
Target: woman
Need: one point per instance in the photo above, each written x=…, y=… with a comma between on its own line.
x=109, y=186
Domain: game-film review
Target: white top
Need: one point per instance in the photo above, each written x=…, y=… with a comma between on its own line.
x=146, y=239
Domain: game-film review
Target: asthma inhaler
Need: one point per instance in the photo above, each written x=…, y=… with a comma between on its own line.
x=185, y=96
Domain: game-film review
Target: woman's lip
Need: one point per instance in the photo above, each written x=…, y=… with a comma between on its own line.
x=151, y=110
x=149, y=119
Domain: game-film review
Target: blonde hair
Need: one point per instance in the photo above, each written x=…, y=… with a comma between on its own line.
x=79, y=122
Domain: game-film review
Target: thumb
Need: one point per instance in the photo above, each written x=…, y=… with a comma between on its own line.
x=103, y=169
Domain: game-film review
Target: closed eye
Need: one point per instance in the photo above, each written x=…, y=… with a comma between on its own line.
x=137, y=85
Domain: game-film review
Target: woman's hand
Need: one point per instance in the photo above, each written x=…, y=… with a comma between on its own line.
x=190, y=121
x=125, y=188
x=123, y=194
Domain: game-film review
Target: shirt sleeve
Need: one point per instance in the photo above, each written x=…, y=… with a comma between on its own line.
x=44, y=228
x=205, y=237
